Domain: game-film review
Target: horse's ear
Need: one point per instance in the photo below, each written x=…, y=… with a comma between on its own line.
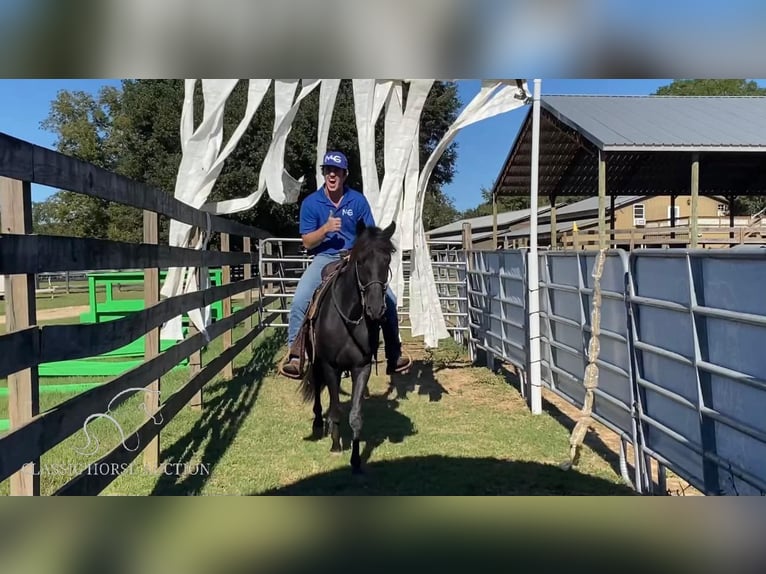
x=388, y=232
x=360, y=226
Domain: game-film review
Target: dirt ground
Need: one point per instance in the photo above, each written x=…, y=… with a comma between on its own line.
x=605, y=441
x=601, y=439
x=60, y=313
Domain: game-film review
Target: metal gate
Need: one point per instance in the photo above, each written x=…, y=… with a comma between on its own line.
x=283, y=260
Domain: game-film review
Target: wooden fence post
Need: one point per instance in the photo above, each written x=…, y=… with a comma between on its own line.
x=467, y=239
x=152, y=338
x=195, y=359
x=20, y=313
x=195, y=366
x=228, y=370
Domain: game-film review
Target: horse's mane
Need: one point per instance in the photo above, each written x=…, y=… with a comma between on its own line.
x=372, y=239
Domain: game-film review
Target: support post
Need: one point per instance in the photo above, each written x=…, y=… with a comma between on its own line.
x=695, y=190
x=494, y=221
x=152, y=338
x=20, y=313
x=228, y=369
x=195, y=366
x=535, y=376
x=673, y=215
x=554, y=238
x=195, y=359
x=601, y=201
x=467, y=242
x=467, y=238
x=247, y=274
x=612, y=236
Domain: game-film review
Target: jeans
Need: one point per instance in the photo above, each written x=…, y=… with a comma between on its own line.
x=311, y=279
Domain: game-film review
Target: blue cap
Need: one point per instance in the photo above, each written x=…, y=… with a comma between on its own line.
x=335, y=159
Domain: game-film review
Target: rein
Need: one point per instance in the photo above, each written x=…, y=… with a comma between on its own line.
x=362, y=289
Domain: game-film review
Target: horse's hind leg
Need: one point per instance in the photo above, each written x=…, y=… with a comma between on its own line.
x=360, y=377
x=332, y=380
x=317, y=427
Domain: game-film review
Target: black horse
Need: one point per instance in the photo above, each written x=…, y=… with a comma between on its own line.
x=347, y=323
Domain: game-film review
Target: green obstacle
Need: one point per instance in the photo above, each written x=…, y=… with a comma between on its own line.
x=112, y=309
x=120, y=360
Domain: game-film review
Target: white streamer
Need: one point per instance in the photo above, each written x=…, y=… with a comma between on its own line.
x=399, y=197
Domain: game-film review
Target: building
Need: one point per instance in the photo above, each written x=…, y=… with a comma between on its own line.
x=451, y=235
x=638, y=221
x=682, y=149
x=635, y=221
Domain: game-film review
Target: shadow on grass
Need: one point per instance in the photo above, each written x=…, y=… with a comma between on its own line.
x=592, y=440
x=222, y=417
x=381, y=421
x=442, y=475
x=421, y=376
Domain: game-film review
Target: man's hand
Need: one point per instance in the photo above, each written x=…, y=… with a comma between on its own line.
x=332, y=225
x=314, y=238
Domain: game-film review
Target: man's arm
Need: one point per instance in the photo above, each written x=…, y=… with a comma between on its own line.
x=314, y=238
x=310, y=234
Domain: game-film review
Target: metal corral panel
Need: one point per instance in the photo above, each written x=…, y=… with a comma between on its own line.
x=566, y=300
x=497, y=296
x=699, y=322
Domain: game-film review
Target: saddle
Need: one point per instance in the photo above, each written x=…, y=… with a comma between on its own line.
x=306, y=333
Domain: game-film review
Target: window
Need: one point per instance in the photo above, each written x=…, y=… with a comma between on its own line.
x=677, y=209
x=639, y=217
x=722, y=209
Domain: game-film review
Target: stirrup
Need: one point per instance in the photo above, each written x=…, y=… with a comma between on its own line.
x=281, y=369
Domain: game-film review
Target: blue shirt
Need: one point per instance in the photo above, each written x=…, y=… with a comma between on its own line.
x=316, y=209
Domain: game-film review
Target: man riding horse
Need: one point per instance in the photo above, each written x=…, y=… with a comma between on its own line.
x=328, y=219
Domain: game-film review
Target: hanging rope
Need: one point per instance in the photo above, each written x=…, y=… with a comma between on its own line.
x=590, y=379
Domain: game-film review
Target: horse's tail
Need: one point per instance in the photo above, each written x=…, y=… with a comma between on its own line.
x=310, y=385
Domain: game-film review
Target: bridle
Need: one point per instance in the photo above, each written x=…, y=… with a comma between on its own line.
x=362, y=291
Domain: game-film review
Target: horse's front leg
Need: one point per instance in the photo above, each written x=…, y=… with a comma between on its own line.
x=360, y=376
x=332, y=380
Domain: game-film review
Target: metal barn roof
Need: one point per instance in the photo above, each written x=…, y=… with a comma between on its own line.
x=647, y=142
x=503, y=219
x=643, y=123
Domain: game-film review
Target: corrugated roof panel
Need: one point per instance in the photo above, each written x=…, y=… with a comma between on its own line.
x=503, y=218
x=665, y=121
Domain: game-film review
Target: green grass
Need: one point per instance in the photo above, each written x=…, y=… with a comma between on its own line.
x=437, y=430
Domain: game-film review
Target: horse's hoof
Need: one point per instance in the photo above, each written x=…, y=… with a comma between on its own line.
x=357, y=471
x=336, y=450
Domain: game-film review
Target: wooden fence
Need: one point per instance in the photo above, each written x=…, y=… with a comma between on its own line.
x=26, y=345
x=707, y=237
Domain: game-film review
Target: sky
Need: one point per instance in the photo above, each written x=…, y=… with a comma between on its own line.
x=482, y=147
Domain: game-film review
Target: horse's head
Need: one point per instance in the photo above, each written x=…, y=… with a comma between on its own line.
x=371, y=258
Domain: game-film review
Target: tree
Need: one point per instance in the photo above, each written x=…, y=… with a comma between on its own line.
x=135, y=133
x=711, y=88
x=504, y=203
x=438, y=209
x=84, y=125
x=743, y=204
